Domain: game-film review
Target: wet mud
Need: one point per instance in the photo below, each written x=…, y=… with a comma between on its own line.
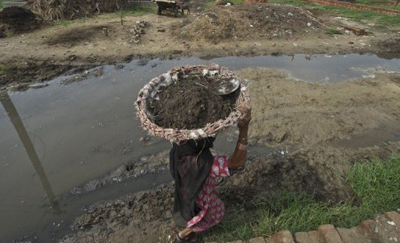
x=131, y=169
x=196, y=98
x=146, y=216
x=23, y=74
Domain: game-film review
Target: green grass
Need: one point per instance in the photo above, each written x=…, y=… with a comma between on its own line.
x=376, y=183
x=380, y=19
x=1, y=4
x=139, y=10
x=237, y=1
x=377, y=3
x=3, y=69
x=332, y=31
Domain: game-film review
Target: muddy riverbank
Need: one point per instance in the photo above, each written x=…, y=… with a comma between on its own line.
x=146, y=216
x=328, y=133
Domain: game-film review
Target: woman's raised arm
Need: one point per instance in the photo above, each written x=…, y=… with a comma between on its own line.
x=238, y=158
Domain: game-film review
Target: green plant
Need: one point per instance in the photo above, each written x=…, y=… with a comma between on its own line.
x=332, y=31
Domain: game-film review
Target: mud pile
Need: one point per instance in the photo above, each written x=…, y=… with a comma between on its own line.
x=191, y=103
x=14, y=20
x=248, y=21
x=133, y=218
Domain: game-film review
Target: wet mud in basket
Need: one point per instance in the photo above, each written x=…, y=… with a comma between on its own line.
x=192, y=102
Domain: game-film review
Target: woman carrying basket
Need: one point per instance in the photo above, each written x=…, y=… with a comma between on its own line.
x=195, y=170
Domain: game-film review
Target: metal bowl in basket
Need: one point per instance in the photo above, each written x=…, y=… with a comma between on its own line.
x=149, y=91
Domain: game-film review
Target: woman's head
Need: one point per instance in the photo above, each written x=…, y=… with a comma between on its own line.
x=192, y=146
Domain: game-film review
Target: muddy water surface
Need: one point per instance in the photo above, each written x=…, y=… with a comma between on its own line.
x=59, y=137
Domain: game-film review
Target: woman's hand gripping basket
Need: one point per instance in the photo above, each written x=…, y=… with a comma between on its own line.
x=150, y=90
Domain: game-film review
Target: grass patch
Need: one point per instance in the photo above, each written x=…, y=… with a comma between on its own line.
x=3, y=69
x=332, y=31
x=377, y=3
x=1, y=4
x=381, y=19
x=376, y=183
x=297, y=3
x=139, y=10
x=237, y=1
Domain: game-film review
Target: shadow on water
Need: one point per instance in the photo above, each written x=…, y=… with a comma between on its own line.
x=30, y=150
x=87, y=129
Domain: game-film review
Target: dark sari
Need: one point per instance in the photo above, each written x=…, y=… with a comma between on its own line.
x=190, y=176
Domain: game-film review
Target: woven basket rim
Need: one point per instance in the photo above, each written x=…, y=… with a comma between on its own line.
x=182, y=135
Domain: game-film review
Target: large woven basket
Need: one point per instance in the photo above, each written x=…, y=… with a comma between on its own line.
x=149, y=91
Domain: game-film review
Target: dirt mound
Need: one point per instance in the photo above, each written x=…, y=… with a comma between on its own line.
x=390, y=45
x=14, y=20
x=193, y=98
x=248, y=21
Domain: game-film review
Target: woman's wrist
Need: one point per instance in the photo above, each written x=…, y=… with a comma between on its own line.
x=241, y=146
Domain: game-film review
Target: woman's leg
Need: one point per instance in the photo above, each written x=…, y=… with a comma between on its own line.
x=184, y=233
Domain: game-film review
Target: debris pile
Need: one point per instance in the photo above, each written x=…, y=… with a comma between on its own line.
x=51, y=10
x=138, y=30
x=248, y=21
x=14, y=20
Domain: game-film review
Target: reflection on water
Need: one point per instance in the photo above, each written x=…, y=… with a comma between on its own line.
x=12, y=113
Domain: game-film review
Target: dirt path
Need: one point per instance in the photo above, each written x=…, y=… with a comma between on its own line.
x=40, y=55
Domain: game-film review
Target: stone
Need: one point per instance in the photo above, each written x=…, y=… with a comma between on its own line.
x=368, y=227
x=283, y=237
x=352, y=235
x=269, y=240
x=329, y=234
x=257, y=240
x=395, y=217
x=237, y=241
x=308, y=237
x=386, y=229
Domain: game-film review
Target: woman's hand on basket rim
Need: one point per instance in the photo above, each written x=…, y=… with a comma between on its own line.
x=245, y=117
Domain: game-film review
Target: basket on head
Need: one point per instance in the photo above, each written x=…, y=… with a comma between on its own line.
x=149, y=91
